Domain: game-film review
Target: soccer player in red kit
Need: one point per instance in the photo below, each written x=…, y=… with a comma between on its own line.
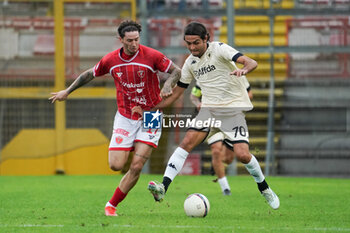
x=134, y=69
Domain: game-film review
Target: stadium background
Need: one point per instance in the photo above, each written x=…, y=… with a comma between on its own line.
x=300, y=123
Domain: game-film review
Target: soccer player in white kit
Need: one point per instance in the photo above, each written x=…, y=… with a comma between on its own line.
x=134, y=69
x=224, y=97
x=221, y=150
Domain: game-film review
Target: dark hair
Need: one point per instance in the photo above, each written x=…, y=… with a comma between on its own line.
x=128, y=26
x=198, y=29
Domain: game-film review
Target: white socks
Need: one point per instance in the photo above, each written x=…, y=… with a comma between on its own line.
x=223, y=183
x=175, y=163
x=254, y=169
x=109, y=204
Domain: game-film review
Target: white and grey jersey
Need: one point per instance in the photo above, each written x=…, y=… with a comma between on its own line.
x=212, y=73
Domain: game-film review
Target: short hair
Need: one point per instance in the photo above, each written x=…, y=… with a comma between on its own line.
x=128, y=26
x=196, y=28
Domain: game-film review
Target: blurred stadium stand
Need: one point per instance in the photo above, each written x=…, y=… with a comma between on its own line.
x=311, y=104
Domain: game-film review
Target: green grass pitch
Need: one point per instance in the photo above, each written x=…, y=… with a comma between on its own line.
x=76, y=204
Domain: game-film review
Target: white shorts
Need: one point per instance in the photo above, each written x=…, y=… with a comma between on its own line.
x=127, y=131
x=215, y=135
x=233, y=126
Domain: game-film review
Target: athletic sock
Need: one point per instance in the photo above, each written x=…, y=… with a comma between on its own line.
x=262, y=186
x=109, y=204
x=224, y=183
x=254, y=169
x=174, y=166
x=166, y=182
x=117, y=197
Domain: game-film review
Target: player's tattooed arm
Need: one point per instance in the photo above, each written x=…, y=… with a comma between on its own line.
x=176, y=93
x=174, y=77
x=82, y=79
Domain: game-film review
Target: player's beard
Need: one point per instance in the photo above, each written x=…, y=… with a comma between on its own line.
x=133, y=49
x=197, y=53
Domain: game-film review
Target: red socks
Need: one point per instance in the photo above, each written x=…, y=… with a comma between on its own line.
x=117, y=197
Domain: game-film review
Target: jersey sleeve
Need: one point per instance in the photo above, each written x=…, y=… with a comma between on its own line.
x=186, y=75
x=101, y=68
x=161, y=62
x=227, y=52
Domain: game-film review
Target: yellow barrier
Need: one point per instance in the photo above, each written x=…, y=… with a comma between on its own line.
x=33, y=152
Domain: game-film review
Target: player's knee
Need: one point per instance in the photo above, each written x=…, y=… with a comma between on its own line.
x=216, y=152
x=229, y=157
x=192, y=139
x=243, y=155
x=228, y=160
x=187, y=144
x=117, y=160
x=115, y=166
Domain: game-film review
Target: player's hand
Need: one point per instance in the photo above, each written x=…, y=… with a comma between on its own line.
x=239, y=72
x=166, y=91
x=137, y=110
x=60, y=96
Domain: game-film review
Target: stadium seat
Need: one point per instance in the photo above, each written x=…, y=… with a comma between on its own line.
x=44, y=45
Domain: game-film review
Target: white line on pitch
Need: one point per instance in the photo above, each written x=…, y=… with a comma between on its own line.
x=30, y=225
x=332, y=229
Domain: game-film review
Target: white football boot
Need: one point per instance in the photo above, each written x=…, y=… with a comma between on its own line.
x=226, y=192
x=271, y=198
x=157, y=189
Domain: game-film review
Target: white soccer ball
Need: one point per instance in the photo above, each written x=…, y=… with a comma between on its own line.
x=196, y=205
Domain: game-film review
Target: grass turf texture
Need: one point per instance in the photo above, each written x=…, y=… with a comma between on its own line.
x=76, y=204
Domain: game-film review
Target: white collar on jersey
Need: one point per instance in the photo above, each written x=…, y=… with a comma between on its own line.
x=120, y=55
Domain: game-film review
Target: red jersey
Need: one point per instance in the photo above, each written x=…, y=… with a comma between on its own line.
x=136, y=79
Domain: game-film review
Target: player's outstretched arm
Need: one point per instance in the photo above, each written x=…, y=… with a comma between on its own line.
x=176, y=93
x=174, y=77
x=82, y=79
x=248, y=66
